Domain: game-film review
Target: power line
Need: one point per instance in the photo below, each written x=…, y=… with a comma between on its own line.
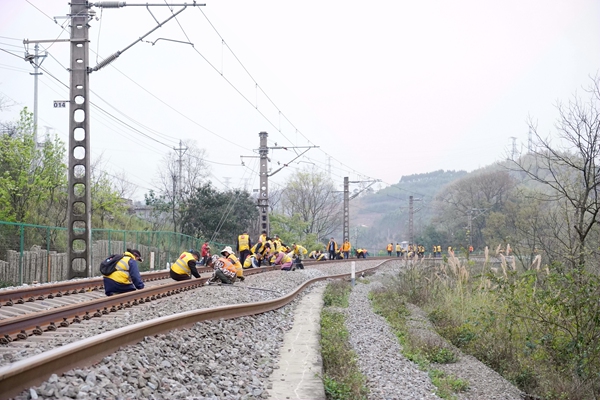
x=34, y=6
x=280, y=113
x=258, y=87
x=10, y=52
x=11, y=38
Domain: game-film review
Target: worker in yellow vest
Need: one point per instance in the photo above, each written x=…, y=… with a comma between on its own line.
x=320, y=256
x=185, y=266
x=252, y=261
x=346, y=247
x=389, y=248
x=243, y=246
x=280, y=259
x=126, y=277
x=298, y=253
x=262, y=238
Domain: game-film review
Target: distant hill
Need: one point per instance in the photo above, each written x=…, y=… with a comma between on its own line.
x=385, y=212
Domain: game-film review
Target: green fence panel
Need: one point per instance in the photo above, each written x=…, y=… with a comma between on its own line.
x=35, y=253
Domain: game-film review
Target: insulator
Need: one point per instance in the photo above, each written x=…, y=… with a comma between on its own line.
x=110, y=4
x=107, y=61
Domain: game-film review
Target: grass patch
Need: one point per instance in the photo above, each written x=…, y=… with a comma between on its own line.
x=337, y=294
x=341, y=376
x=447, y=385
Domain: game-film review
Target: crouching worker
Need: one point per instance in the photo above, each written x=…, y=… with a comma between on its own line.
x=185, y=266
x=225, y=271
x=283, y=260
x=252, y=261
x=228, y=253
x=126, y=275
x=298, y=252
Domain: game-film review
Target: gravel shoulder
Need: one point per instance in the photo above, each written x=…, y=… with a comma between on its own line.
x=390, y=374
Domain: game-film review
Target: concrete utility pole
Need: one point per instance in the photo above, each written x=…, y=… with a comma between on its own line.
x=80, y=203
x=181, y=152
x=410, y=220
x=514, y=148
x=346, y=215
x=263, y=192
x=411, y=212
x=79, y=206
x=263, y=195
x=33, y=59
x=347, y=198
x=469, y=229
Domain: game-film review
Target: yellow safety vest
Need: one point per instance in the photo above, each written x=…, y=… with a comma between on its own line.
x=239, y=270
x=300, y=250
x=121, y=274
x=181, y=265
x=243, y=242
x=248, y=262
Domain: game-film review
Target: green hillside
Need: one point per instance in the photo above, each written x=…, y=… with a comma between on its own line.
x=382, y=217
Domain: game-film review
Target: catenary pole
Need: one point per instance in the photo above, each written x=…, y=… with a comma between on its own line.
x=79, y=204
x=264, y=174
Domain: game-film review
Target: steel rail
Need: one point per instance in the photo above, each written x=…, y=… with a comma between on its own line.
x=37, y=323
x=33, y=293
x=32, y=371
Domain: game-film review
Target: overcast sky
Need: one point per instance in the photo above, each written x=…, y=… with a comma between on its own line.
x=384, y=88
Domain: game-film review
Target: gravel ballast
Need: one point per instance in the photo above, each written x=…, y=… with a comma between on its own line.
x=235, y=359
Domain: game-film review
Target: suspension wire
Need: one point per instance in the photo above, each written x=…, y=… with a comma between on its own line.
x=228, y=209
x=258, y=87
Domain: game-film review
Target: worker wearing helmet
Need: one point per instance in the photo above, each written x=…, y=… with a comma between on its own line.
x=185, y=266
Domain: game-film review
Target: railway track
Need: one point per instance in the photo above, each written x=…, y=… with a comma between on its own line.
x=32, y=370
x=32, y=311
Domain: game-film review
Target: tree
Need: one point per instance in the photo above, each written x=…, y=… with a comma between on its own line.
x=468, y=197
x=220, y=216
x=107, y=203
x=312, y=196
x=179, y=178
x=31, y=175
x=569, y=172
x=293, y=230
